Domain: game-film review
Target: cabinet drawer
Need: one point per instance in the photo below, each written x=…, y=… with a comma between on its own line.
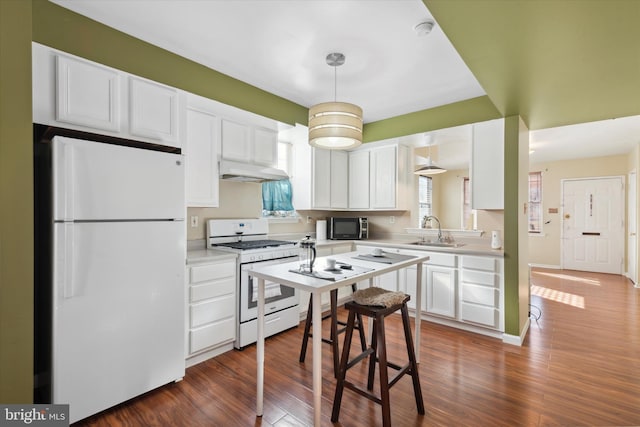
x=212, y=334
x=214, y=271
x=482, y=315
x=479, y=263
x=480, y=295
x=212, y=289
x=446, y=260
x=213, y=310
x=480, y=278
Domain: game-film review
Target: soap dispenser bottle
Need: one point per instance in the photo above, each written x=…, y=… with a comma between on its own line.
x=496, y=242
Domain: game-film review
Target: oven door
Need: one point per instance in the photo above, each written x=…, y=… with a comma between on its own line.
x=277, y=296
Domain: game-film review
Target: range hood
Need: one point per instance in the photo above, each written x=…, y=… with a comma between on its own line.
x=248, y=172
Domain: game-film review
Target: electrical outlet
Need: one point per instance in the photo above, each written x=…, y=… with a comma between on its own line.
x=392, y=219
x=194, y=221
x=308, y=219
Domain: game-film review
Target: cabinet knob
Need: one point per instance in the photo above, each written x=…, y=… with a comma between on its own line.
x=567, y=216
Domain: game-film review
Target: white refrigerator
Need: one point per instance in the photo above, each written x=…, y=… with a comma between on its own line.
x=118, y=273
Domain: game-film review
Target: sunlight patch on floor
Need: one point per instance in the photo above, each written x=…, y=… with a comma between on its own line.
x=560, y=276
x=558, y=296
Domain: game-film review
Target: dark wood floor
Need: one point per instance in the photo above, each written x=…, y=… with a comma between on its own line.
x=579, y=366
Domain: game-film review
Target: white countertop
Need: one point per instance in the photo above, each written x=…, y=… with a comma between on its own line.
x=207, y=255
x=407, y=244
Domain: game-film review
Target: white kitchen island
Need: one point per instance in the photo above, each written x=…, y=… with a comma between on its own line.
x=363, y=270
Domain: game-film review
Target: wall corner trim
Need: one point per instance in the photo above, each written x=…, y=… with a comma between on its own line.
x=515, y=339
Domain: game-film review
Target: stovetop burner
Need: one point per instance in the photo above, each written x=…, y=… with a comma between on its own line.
x=254, y=244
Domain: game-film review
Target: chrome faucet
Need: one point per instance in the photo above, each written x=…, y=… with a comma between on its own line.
x=429, y=218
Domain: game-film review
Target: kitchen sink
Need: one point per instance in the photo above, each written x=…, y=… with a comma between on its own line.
x=439, y=244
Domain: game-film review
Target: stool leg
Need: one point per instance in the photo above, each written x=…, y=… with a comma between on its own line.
x=342, y=371
x=334, y=331
x=417, y=391
x=307, y=329
x=384, y=374
x=373, y=356
x=363, y=338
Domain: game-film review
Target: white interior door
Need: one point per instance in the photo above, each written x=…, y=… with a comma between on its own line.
x=632, y=260
x=593, y=225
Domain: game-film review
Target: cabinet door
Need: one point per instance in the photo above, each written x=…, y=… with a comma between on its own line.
x=441, y=291
x=410, y=286
x=321, y=178
x=383, y=163
x=153, y=111
x=487, y=165
x=359, y=180
x=87, y=94
x=201, y=156
x=339, y=179
x=265, y=147
x=235, y=141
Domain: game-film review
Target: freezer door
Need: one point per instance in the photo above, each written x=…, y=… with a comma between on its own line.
x=118, y=311
x=97, y=181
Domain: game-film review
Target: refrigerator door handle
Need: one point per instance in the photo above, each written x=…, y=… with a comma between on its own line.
x=67, y=269
x=64, y=178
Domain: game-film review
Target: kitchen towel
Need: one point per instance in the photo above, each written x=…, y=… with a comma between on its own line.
x=321, y=229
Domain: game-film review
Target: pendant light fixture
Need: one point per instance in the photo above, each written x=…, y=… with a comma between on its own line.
x=335, y=125
x=429, y=168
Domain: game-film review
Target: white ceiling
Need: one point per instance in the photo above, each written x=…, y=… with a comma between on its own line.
x=280, y=46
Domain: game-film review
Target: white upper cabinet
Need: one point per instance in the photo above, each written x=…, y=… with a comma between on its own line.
x=247, y=143
x=265, y=147
x=487, y=165
x=153, y=110
x=88, y=94
x=75, y=93
x=201, y=157
x=235, y=141
x=359, y=180
x=383, y=172
x=330, y=179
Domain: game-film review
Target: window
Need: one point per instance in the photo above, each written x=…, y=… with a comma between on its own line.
x=535, y=202
x=277, y=196
x=425, y=190
x=468, y=215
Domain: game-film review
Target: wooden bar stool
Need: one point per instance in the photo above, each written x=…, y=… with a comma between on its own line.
x=377, y=303
x=335, y=330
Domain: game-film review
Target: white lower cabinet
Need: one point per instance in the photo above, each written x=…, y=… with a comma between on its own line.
x=440, y=275
x=465, y=291
x=211, y=306
x=441, y=291
x=481, y=285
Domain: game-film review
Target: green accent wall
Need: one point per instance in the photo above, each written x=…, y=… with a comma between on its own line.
x=62, y=29
x=511, y=240
x=460, y=113
x=16, y=199
x=552, y=62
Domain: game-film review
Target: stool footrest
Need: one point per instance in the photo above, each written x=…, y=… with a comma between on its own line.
x=359, y=358
x=351, y=386
x=404, y=370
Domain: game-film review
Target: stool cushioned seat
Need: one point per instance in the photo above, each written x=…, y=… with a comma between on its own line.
x=378, y=297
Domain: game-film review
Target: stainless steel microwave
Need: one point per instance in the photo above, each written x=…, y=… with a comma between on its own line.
x=348, y=228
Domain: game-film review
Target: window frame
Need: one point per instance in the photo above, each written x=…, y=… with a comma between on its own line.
x=534, y=204
x=429, y=200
